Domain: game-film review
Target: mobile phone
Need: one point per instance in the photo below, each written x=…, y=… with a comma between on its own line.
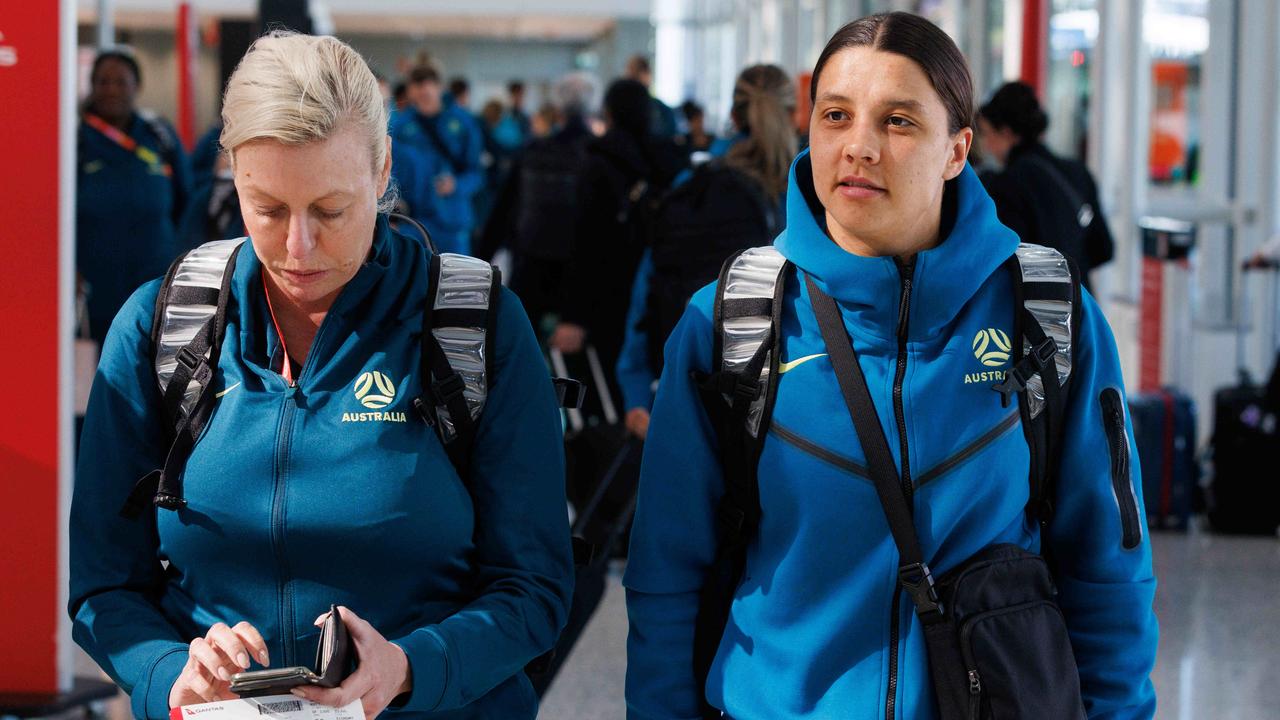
x=280, y=679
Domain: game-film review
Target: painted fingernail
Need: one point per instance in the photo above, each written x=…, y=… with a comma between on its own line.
x=299, y=693
x=243, y=660
x=222, y=673
x=264, y=658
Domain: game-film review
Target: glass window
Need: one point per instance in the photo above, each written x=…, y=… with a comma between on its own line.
x=1073, y=35
x=1176, y=33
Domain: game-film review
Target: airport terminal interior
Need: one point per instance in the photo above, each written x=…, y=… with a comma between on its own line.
x=1170, y=110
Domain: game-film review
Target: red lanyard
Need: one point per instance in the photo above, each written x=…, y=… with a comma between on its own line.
x=287, y=370
x=118, y=136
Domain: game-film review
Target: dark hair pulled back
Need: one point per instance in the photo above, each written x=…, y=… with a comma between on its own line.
x=628, y=103
x=1016, y=107
x=915, y=38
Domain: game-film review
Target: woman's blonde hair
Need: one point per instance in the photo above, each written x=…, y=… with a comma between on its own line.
x=764, y=101
x=298, y=89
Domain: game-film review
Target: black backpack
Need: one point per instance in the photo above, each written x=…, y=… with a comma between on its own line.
x=190, y=321
x=546, y=219
x=697, y=226
x=968, y=613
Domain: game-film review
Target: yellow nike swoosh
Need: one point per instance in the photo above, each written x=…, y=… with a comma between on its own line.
x=224, y=392
x=789, y=366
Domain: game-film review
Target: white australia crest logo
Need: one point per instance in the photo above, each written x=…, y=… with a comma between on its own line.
x=992, y=348
x=375, y=391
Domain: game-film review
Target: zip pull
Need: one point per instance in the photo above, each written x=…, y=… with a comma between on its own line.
x=975, y=683
x=904, y=307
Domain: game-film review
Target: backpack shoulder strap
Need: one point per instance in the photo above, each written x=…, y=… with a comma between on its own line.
x=187, y=328
x=1046, y=287
x=738, y=395
x=1084, y=211
x=457, y=357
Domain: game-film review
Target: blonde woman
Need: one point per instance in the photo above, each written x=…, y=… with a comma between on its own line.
x=315, y=480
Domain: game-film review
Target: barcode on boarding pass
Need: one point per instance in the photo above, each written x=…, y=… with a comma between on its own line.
x=284, y=706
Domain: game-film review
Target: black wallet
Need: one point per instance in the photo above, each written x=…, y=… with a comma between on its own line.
x=335, y=660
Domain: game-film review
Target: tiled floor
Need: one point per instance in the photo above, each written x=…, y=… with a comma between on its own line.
x=1219, y=607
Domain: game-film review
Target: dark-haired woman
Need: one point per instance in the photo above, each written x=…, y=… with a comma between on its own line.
x=890, y=235
x=1046, y=199
x=132, y=180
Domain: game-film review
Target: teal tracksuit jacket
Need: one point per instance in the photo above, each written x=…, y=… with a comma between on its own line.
x=813, y=631
x=300, y=497
x=127, y=213
x=419, y=159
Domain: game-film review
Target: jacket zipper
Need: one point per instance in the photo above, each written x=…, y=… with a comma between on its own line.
x=284, y=436
x=966, y=649
x=287, y=612
x=1121, y=482
x=905, y=271
x=805, y=445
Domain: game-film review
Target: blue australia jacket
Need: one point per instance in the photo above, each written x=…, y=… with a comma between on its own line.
x=457, y=153
x=810, y=633
x=302, y=496
x=127, y=212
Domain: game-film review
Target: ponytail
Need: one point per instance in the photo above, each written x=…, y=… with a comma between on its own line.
x=763, y=104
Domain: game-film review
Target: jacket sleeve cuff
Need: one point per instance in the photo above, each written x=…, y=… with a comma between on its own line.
x=429, y=668
x=151, y=700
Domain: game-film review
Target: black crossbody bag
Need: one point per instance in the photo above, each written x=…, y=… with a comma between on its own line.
x=996, y=638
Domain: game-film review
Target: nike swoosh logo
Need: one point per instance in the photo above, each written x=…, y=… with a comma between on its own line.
x=789, y=366
x=224, y=392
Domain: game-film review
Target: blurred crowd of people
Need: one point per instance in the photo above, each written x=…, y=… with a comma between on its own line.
x=605, y=207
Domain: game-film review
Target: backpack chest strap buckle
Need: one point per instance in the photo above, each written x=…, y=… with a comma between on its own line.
x=1039, y=360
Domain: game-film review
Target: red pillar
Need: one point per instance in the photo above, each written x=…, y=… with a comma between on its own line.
x=34, y=242
x=186, y=74
x=1035, y=45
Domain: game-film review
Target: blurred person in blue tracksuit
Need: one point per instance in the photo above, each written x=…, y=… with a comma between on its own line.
x=438, y=147
x=132, y=182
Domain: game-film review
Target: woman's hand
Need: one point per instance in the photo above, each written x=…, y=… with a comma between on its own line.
x=638, y=422
x=568, y=338
x=382, y=675
x=212, y=660
x=445, y=185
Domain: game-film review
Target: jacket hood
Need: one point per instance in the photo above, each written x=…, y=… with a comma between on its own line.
x=944, y=279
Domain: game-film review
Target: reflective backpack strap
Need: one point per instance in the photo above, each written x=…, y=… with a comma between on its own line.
x=162, y=303
x=738, y=396
x=186, y=391
x=458, y=323
x=1046, y=288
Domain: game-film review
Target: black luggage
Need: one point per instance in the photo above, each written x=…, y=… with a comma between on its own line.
x=603, y=475
x=1164, y=428
x=1245, y=494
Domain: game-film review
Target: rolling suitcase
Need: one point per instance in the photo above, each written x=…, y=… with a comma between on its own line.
x=1164, y=428
x=1245, y=494
x=1244, y=497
